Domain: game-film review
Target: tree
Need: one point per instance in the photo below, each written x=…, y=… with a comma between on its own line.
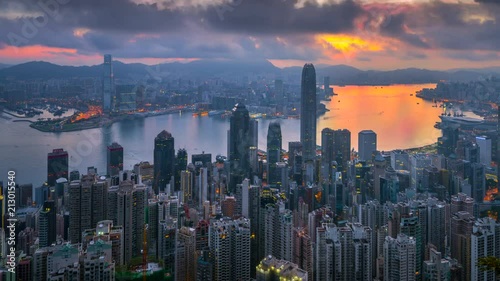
x=489, y=263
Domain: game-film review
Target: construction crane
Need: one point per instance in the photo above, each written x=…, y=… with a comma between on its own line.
x=145, y=252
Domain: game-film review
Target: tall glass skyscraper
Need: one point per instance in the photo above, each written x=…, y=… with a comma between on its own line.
x=164, y=161
x=308, y=113
x=367, y=144
x=274, y=144
x=239, y=145
x=107, y=84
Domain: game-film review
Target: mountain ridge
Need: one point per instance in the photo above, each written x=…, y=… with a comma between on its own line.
x=339, y=74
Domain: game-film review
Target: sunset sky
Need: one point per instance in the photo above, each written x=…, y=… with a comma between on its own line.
x=368, y=34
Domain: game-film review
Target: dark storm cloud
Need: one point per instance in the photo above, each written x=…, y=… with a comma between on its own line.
x=227, y=30
x=488, y=1
x=439, y=25
x=282, y=17
x=395, y=29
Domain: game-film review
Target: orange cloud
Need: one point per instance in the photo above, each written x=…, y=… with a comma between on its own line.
x=14, y=54
x=343, y=45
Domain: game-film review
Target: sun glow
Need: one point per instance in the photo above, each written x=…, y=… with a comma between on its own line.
x=345, y=45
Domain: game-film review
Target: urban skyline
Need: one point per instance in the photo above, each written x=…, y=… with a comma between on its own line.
x=300, y=140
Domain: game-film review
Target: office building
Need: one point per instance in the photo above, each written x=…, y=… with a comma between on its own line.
x=186, y=186
x=47, y=224
x=367, y=145
x=279, y=92
x=239, y=145
x=400, y=160
x=181, y=162
x=57, y=166
x=164, y=161
x=484, y=144
x=126, y=98
x=477, y=181
x=418, y=162
x=273, y=152
x=114, y=159
x=108, y=85
x=205, y=158
x=326, y=86
x=308, y=113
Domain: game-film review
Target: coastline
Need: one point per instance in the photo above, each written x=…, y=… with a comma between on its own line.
x=96, y=123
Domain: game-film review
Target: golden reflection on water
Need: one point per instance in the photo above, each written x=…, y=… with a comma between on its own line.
x=400, y=119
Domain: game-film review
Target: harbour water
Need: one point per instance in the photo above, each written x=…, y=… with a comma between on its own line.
x=400, y=120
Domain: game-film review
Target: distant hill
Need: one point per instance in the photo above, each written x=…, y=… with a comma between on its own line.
x=339, y=74
x=46, y=70
x=2, y=66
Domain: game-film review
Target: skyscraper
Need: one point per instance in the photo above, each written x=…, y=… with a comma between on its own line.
x=484, y=243
x=185, y=266
x=278, y=91
x=57, y=166
x=399, y=258
x=308, y=113
x=303, y=251
x=126, y=204
x=336, y=146
x=367, y=144
x=484, y=144
x=164, y=161
x=114, y=159
x=326, y=85
x=229, y=242
x=80, y=207
x=107, y=84
x=498, y=145
x=273, y=151
x=239, y=145
x=47, y=226
x=180, y=165
x=327, y=148
x=187, y=187
x=462, y=224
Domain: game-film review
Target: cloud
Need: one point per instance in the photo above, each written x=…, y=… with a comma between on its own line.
x=283, y=30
